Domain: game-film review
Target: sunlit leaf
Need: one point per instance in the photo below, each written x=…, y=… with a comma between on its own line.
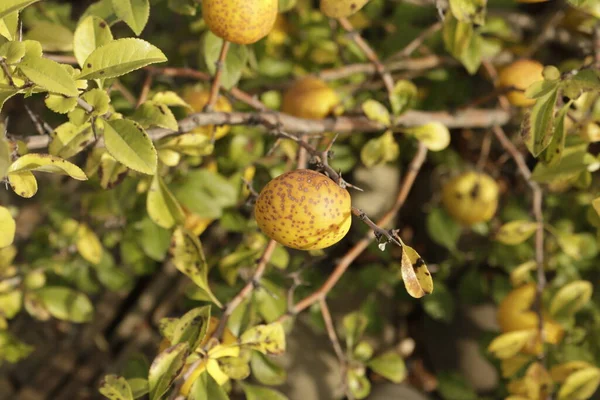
x=49, y=75
x=69, y=139
x=98, y=99
x=509, y=344
x=170, y=99
x=214, y=370
x=152, y=113
x=538, y=124
x=88, y=244
x=46, y=163
x=268, y=339
x=91, y=33
x=9, y=25
x=562, y=371
x=7, y=227
x=205, y=388
x=120, y=57
x=580, y=385
x=165, y=368
x=434, y=135
x=134, y=13
x=23, y=183
x=417, y=278
x=162, y=206
x=9, y=6
x=60, y=104
x=115, y=387
x=377, y=112
x=129, y=144
x=522, y=273
x=571, y=298
x=516, y=232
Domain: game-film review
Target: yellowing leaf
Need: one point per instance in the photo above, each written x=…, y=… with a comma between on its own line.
x=5, y=155
x=60, y=104
x=88, y=244
x=115, y=388
x=221, y=351
x=377, y=112
x=596, y=205
x=168, y=157
x=163, y=208
x=417, y=278
x=522, y=273
x=91, y=33
x=516, y=232
x=268, y=339
x=434, y=135
x=9, y=6
x=380, y=150
x=69, y=139
x=155, y=114
x=129, y=144
x=23, y=183
x=235, y=367
x=7, y=227
x=510, y=344
x=13, y=52
x=165, y=368
x=98, y=99
x=580, y=385
x=571, y=298
x=120, y=57
x=510, y=366
x=188, y=258
x=191, y=144
x=134, y=13
x=170, y=99
x=49, y=75
x=46, y=163
x=562, y=371
x=212, y=367
x=110, y=171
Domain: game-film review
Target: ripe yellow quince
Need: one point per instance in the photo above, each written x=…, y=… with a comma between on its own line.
x=341, y=8
x=197, y=98
x=471, y=198
x=515, y=313
x=304, y=210
x=520, y=75
x=240, y=21
x=310, y=98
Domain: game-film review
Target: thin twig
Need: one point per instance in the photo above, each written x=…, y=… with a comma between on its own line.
x=486, y=146
x=417, y=42
x=371, y=55
x=145, y=89
x=216, y=83
x=358, y=248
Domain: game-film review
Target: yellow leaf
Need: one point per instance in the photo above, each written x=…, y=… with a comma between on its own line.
x=521, y=274
x=434, y=135
x=516, y=232
x=562, y=371
x=510, y=344
x=417, y=278
x=221, y=350
x=163, y=208
x=7, y=227
x=169, y=157
x=213, y=368
x=580, y=385
x=23, y=183
x=377, y=112
x=510, y=366
x=268, y=339
x=88, y=245
x=571, y=298
x=46, y=163
x=596, y=205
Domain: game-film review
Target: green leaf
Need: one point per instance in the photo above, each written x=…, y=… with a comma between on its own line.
x=266, y=371
x=268, y=339
x=205, y=388
x=120, y=57
x=580, y=385
x=571, y=298
x=554, y=152
x=91, y=33
x=102, y=9
x=5, y=155
x=139, y=387
x=470, y=11
x=192, y=327
x=49, y=75
x=452, y=386
x=153, y=239
x=66, y=304
x=13, y=52
x=234, y=367
x=23, y=183
x=9, y=6
x=188, y=258
x=162, y=206
x=462, y=42
x=183, y=7
x=205, y=193
x=434, y=135
x=134, y=13
x=270, y=301
x=191, y=144
x=69, y=139
x=358, y=384
x=88, y=245
x=254, y=392
x=236, y=60
x=404, y=96
x=538, y=125
x=60, y=104
x=165, y=368
x=354, y=326
x=98, y=99
x=12, y=349
x=442, y=229
x=375, y=111
x=380, y=150
x=152, y=113
x=110, y=171
x=129, y=144
x=115, y=387
x=11, y=303
x=440, y=304
x=574, y=161
x=389, y=365
x=516, y=232
x=52, y=37
x=9, y=25
x=46, y=163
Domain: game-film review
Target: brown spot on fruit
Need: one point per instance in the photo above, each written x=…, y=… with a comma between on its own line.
x=312, y=226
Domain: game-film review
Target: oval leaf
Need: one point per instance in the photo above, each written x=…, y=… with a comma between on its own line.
x=571, y=298
x=377, y=112
x=163, y=208
x=115, y=388
x=91, y=33
x=66, y=304
x=7, y=227
x=9, y=6
x=23, y=183
x=268, y=339
x=46, y=163
x=510, y=344
x=129, y=144
x=416, y=276
x=580, y=385
x=134, y=13
x=49, y=75
x=434, y=135
x=88, y=245
x=120, y=57
x=389, y=365
x=165, y=368
x=516, y=232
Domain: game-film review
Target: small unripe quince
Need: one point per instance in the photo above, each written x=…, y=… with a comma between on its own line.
x=240, y=21
x=304, y=210
x=515, y=313
x=198, y=98
x=520, y=75
x=310, y=98
x=341, y=8
x=471, y=198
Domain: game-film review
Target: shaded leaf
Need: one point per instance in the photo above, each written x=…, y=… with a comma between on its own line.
x=236, y=60
x=254, y=392
x=165, y=368
x=538, y=125
x=516, y=232
x=268, y=339
x=66, y=304
x=129, y=144
x=442, y=229
x=88, y=244
x=205, y=388
x=162, y=206
x=134, y=13
x=152, y=113
x=192, y=327
x=115, y=387
x=69, y=139
x=266, y=371
x=389, y=365
x=510, y=344
x=571, y=298
x=5, y=156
